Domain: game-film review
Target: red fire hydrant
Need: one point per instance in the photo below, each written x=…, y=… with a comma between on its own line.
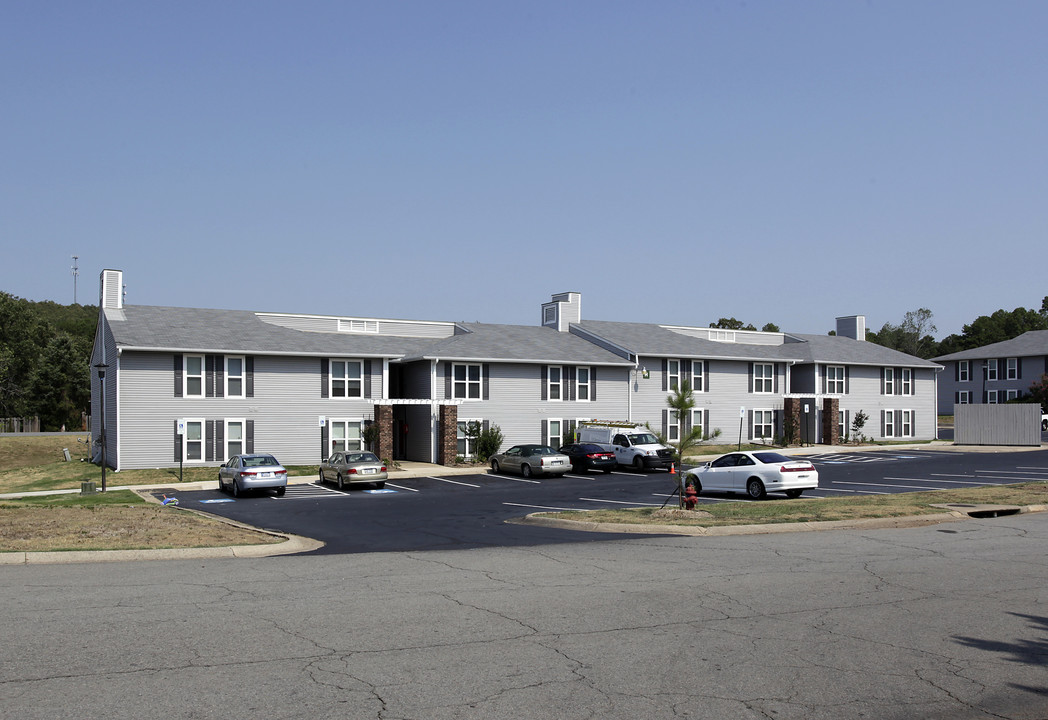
x=691, y=497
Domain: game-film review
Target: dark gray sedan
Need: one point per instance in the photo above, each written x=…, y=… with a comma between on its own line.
x=252, y=472
x=353, y=467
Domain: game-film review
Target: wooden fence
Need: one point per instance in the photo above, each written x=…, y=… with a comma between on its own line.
x=20, y=425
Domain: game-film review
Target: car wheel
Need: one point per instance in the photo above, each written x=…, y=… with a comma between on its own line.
x=322, y=480
x=281, y=491
x=236, y=488
x=379, y=485
x=525, y=470
x=793, y=493
x=341, y=483
x=1044, y=425
x=755, y=489
x=607, y=470
x=221, y=486
x=638, y=463
x=494, y=466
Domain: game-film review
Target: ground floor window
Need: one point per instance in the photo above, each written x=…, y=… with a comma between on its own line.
x=234, y=437
x=842, y=424
x=466, y=446
x=697, y=423
x=346, y=435
x=763, y=424
x=672, y=427
x=193, y=441
x=964, y=397
x=555, y=433
x=906, y=428
x=991, y=397
x=889, y=423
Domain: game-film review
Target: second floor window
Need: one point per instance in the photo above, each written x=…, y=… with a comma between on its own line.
x=698, y=375
x=1012, y=368
x=672, y=374
x=964, y=371
x=194, y=376
x=466, y=382
x=889, y=381
x=763, y=376
x=582, y=383
x=346, y=378
x=554, y=387
x=991, y=369
x=907, y=382
x=234, y=377
x=835, y=379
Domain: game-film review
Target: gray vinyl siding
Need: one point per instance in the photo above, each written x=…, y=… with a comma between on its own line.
x=285, y=409
x=1030, y=369
x=514, y=400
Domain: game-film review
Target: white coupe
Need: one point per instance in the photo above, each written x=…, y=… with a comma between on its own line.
x=754, y=473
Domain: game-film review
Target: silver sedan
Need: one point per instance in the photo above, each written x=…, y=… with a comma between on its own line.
x=531, y=460
x=252, y=472
x=353, y=467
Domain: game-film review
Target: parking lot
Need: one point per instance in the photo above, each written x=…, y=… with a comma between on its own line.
x=441, y=512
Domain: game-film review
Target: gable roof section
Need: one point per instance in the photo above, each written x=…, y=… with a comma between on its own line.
x=168, y=329
x=660, y=341
x=1030, y=343
x=518, y=343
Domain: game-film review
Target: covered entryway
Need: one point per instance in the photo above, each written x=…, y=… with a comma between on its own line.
x=418, y=430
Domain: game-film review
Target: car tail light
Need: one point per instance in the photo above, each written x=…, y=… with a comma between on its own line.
x=280, y=472
x=596, y=456
x=248, y=473
x=785, y=469
x=352, y=471
x=383, y=469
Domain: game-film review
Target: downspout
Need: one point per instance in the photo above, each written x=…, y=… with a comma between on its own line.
x=433, y=411
x=629, y=389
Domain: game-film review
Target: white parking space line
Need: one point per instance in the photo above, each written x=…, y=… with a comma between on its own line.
x=619, y=502
x=619, y=472
x=875, y=484
x=401, y=487
x=1021, y=472
x=1032, y=467
x=517, y=479
x=453, y=482
x=996, y=477
x=540, y=507
x=940, y=479
x=857, y=492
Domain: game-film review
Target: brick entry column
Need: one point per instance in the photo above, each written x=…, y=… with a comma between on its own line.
x=831, y=430
x=791, y=410
x=384, y=418
x=447, y=435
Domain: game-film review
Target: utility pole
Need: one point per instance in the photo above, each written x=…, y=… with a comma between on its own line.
x=76, y=271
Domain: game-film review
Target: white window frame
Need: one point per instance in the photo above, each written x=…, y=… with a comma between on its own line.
x=696, y=421
x=835, y=379
x=230, y=377
x=189, y=423
x=763, y=376
x=467, y=387
x=964, y=397
x=187, y=376
x=345, y=440
x=698, y=376
x=672, y=427
x=672, y=374
x=555, y=440
x=842, y=424
x=583, y=387
x=991, y=397
x=1011, y=395
x=763, y=418
x=889, y=381
x=1011, y=368
x=889, y=423
x=554, y=383
x=465, y=451
x=227, y=436
x=906, y=424
x=346, y=378
x=964, y=371
x=906, y=381
x=991, y=369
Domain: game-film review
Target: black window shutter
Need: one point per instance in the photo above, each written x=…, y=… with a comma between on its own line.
x=1019, y=368
x=898, y=381
x=957, y=371
x=665, y=375
x=913, y=422
x=209, y=440
x=486, y=425
x=956, y=398
x=324, y=373
x=545, y=432
x=776, y=367
x=749, y=414
x=485, y=371
x=249, y=376
x=209, y=378
x=665, y=423
x=706, y=372
x=569, y=372
x=220, y=376
x=178, y=376
x=823, y=372
x=593, y=383
x=544, y=376
x=847, y=379
x=448, y=370
x=750, y=388
x=367, y=378
x=569, y=433
x=883, y=374
x=324, y=442
x=178, y=441
x=220, y=441
x=898, y=422
x=249, y=436
x=685, y=373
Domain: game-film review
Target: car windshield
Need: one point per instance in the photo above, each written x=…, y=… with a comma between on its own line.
x=361, y=457
x=643, y=439
x=260, y=461
x=771, y=457
x=542, y=450
x=591, y=448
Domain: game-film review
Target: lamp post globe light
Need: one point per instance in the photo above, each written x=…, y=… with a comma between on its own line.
x=101, y=368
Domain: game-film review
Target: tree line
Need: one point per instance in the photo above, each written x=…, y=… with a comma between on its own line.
x=45, y=358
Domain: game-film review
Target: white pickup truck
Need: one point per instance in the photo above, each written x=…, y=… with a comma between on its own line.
x=633, y=445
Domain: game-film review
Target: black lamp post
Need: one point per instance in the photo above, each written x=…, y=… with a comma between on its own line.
x=101, y=368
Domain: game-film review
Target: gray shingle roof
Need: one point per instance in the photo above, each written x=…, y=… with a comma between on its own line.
x=521, y=343
x=1031, y=343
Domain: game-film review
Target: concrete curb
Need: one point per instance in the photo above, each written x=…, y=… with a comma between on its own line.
x=762, y=529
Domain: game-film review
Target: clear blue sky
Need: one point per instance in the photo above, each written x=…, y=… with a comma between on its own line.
x=674, y=162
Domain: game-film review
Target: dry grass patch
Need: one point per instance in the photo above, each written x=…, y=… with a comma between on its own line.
x=821, y=509
x=118, y=520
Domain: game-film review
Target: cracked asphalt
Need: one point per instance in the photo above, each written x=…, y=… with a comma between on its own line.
x=946, y=621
